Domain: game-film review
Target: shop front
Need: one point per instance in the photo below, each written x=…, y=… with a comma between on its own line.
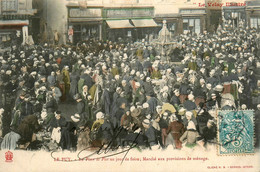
x=84, y=24
x=193, y=20
x=129, y=24
x=235, y=14
x=13, y=32
x=119, y=30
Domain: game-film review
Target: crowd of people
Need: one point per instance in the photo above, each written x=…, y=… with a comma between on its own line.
x=128, y=92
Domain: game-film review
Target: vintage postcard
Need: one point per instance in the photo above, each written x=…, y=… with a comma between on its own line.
x=129, y=85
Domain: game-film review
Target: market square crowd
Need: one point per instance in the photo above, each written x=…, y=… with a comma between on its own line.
x=127, y=92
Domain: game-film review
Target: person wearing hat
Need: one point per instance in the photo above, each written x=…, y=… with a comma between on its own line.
x=209, y=134
x=202, y=119
x=156, y=126
x=56, y=93
x=156, y=74
x=106, y=99
x=118, y=114
x=42, y=69
x=76, y=67
x=189, y=116
x=175, y=100
x=126, y=120
x=31, y=80
x=10, y=89
x=114, y=70
x=150, y=134
x=51, y=103
x=148, y=87
x=43, y=82
x=138, y=94
x=199, y=92
x=136, y=118
x=60, y=84
x=51, y=79
x=26, y=107
x=147, y=65
x=214, y=102
x=74, y=77
x=81, y=107
x=190, y=135
x=190, y=104
x=101, y=130
x=19, y=100
x=176, y=129
x=164, y=121
x=152, y=102
x=60, y=131
x=66, y=80
x=126, y=88
x=80, y=124
x=116, y=100
x=139, y=53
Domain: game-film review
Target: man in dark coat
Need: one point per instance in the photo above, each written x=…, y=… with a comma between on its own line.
x=51, y=104
x=81, y=107
x=152, y=101
x=202, y=119
x=148, y=87
x=106, y=100
x=87, y=79
x=190, y=104
x=118, y=115
x=209, y=133
x=175, y=100
x=214, y=102
x=60, y=123
x=150, y=134
x=26, y=107
x=127, y=90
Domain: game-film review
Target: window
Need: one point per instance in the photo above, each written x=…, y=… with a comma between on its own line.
x=185, y=24
x=9, y=5
x=255, y=22
x=192, y=25
x=172, y=27
x=197, y=25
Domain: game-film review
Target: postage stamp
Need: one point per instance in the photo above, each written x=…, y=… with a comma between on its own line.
x=236, y=132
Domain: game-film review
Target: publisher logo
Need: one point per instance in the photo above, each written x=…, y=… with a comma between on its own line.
x=9, y=156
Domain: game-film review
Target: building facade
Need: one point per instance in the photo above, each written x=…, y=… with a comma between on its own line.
x=253, y=14
x=73, y=21
x=234, y=11
x=16, y=21
x=110, y=20
x=181, y=15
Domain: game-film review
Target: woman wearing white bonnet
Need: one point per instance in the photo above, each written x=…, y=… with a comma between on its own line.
x=100, y=115
x=190, y=135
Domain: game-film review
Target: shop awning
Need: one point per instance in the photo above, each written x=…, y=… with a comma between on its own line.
x=14, y=22
x=117, y=24
x=144, y=23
